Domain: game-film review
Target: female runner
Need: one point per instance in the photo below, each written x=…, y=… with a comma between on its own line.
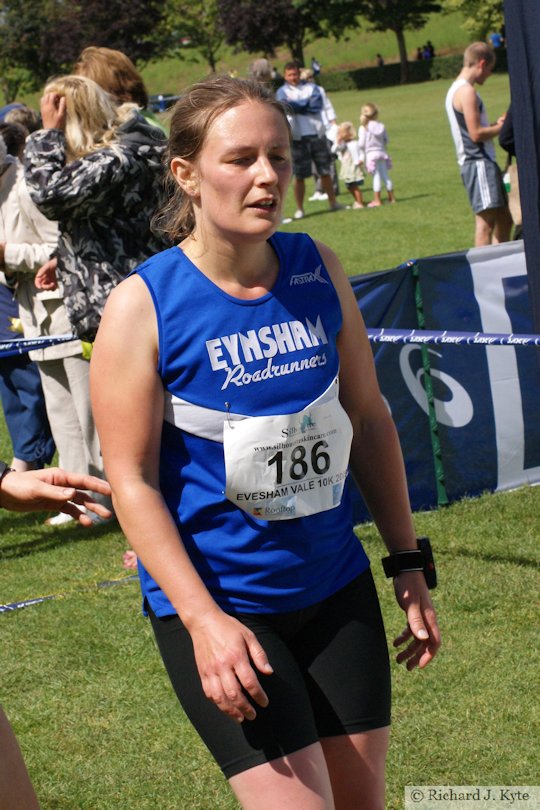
x=233, y=385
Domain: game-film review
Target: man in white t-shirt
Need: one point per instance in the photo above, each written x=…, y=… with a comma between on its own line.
x=306, y=103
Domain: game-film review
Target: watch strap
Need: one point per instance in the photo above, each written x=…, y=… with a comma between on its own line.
x=400, y=561
x=420, y=559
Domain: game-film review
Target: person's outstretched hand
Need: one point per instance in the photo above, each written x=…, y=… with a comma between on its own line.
x=52, y=488
x=421, y=634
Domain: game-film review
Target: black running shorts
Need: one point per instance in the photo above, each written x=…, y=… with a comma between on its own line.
x=331, y=677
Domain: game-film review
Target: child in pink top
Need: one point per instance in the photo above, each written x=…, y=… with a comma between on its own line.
x=372, y=140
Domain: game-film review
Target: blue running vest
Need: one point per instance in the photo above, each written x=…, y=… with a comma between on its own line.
x=272, y=355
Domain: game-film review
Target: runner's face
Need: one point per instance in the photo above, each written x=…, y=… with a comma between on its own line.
x=243, y=173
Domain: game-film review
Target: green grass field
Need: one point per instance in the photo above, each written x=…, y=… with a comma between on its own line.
x=81, y=678
x=100, y=727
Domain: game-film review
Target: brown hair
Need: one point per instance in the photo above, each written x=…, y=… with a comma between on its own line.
x=115, y=72
x=25, y=116
x=192, y=116
x=477, y=51
x=14, y=136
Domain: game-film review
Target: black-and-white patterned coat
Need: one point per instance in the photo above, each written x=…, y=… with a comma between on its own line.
x=103, y=203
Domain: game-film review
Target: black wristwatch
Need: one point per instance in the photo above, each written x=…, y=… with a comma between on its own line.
x=420, y=559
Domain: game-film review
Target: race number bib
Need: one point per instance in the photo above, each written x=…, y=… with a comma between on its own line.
x=283, y=467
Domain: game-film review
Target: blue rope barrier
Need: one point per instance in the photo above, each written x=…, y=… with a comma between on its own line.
x=423, y=336
x=378, y=335
x=9, y=348
x=11, y=606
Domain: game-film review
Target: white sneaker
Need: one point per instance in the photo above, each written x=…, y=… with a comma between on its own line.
x=318, y=196
x=59, y=520
x=299, y=214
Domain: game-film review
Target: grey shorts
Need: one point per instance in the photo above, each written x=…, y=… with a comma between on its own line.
x=484, y=184
x=311, y=150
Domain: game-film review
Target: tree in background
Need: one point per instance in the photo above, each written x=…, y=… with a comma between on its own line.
x=397, y=16
x=482, y=17
x=41, y=38
x=261, y=28
x=195, y=24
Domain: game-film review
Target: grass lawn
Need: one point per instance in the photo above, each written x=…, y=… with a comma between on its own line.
x=432, y=214
x=100, y=728
x=82, y=681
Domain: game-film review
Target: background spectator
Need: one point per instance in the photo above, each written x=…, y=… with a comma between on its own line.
x=20, y=385
x=96, y=169
x=372, y=142
x=116, y=73
x=473, y=139
x=28, y=241
x=305, y=103
x=261, y=71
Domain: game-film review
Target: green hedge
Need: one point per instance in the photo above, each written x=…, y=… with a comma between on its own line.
x=441, y=67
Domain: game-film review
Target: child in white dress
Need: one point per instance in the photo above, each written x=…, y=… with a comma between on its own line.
x=349, y=155
x=372, y=141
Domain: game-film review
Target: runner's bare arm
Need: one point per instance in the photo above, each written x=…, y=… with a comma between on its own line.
x=127, y=397
x=378, y=468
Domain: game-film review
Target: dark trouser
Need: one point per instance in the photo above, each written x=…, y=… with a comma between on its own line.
x=24, y=410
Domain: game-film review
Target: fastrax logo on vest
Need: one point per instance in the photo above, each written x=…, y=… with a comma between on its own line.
x=308, y=278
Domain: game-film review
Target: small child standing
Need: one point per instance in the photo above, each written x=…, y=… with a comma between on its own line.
x=347, y=148
x=372, y=140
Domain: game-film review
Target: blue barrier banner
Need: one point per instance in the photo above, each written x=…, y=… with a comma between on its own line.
x=476, y=321
x=488, y=412
x=387, y=299
x=486, y=386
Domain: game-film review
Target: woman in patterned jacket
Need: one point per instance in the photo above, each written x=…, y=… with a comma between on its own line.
x=95, y=167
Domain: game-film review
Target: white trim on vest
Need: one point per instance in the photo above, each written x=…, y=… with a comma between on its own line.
x=207, y=423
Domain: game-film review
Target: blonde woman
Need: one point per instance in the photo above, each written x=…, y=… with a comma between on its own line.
x=372, y=141
x=95, y=167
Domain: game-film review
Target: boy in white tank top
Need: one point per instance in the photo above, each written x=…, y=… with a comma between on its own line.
x=473, y=136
